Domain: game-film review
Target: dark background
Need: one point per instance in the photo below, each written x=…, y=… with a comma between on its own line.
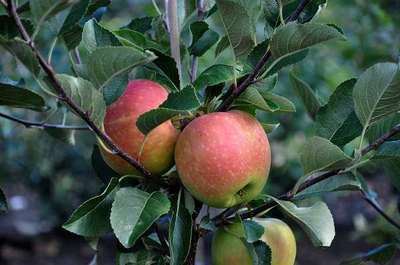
x=45, y=179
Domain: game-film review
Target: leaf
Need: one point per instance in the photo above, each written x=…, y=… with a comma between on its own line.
x=18, y=97
x=286, y=60
x=258, y=52
x=237, y=17
x=91, y=219
x=64, y=135
x=142, y=24
x=108, y=69
x=261, y=253
x=336, y=121
x=295, y=37
x=306, y=94
x=180, y=233
x=381, y=255
x=137, y=40
x=203, y=38
x=316, y=221
x=83, y=93
x=168, y=66
x=141, y=257
x=23, y=52
x=377, y=93
x=319, y=154
x=283, y=104
x=134, y=211
x=95, y=36
x=381, y=127
x=71, y=30
x=253, y=97
x=342, y=182
x=252, y=230
x=388, y=150
x=43, y=10
x=3, y=202
x=270, y=127
x=216, y=74
x=9, y=30
x=179, y=103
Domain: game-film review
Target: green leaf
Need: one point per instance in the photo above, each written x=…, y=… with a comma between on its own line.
x=83, y=93
x=168, y=67
x=18, y=97
x=180, y=232
x=3, y=202
x=252, y=230
x=95, y=36
x=142, y=24
x=381, y=127
x=216, y=74
x=108, y=69
x=134, y=211
x=285, y=60
x=238, y=19
x=269, y=127
x=251, y=96
x=258, y=52
x=336, y=121
x=293, y=37
x=23, y=52
x=141, y=257
x=203, y=38
x=316, y=221
x=43, y=10
x=91, y=219
x=183, y=102
x=9, y=30
x=319, y=154
x=381, y=255
x=388, y=150
x=306, y=94
x=283, y=104
x=137, y=40
x=71, y=30
x=377, y=93
x=260, y=252
x=342, y=182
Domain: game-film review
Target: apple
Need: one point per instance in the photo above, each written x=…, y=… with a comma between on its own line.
x=223, y=158
x=155, y=151
x=228, y=245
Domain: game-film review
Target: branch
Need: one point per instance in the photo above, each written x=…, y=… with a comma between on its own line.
x=379, y=209
x=42, y=125
x=173, y=28
x=48, y=69
x=235, y=92
x=220, y=219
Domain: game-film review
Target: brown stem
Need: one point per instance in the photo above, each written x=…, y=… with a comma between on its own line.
x=41, y=125
x=235, y=92
x=379, y=209
x=48, y=69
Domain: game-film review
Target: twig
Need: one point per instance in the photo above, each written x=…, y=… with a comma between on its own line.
x=42, y=125
x=379, y=209
x=174, y=35
x=3, y=2
x=234, y=92
x=220, y=219
x=48, y=69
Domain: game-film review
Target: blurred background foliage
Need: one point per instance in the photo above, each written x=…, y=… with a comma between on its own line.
x=45, y=178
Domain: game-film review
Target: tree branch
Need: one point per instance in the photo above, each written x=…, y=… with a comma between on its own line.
x=379, y=209
x=48, y=69
x=173, y=28
x=235, y=92
x=219, y=219
x=42, y=125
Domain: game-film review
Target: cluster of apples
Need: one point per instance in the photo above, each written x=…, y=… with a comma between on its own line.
x=223, y=159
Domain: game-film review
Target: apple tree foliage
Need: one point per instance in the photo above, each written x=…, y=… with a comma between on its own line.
x=155, y=220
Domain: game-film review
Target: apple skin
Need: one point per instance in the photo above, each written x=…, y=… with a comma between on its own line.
x=223, y=158
x=228, y=245
x=155, y=151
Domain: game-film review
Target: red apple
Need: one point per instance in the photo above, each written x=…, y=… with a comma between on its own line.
x=155, y=151
x=223, y=158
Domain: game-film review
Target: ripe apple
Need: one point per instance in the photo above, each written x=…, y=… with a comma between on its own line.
x=223, y=158
x=155, y=151
x=228, y=245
